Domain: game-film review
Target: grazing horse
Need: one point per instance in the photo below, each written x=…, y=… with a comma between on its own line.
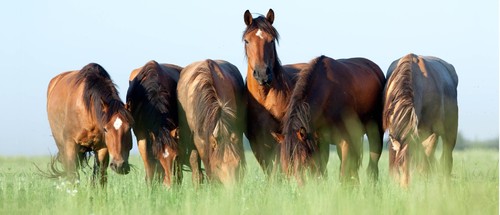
x=210, y=94
x=420, y=105
x=269, y=86
x=152, y=101
x=333, y=102
x=86, y=115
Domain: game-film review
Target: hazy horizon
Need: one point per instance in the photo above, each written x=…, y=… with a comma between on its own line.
x=42, y=39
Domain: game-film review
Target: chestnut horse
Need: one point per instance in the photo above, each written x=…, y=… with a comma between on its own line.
x=210, y=95
x=269, y=86
x=420, y=106
x=86, y=115
x=152, y=101
x=334, y=102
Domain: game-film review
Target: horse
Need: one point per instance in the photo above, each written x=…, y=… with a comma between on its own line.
x=86, y=115
x=211, y=117
x=333, y=102
x=152, y=101
x=268, y=88
x=420, y=105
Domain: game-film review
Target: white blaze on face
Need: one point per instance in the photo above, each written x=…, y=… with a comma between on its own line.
x=165, y=154
x=118, y=123
x=259, y=34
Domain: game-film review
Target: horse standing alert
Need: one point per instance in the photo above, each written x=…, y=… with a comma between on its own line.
x=268, y=86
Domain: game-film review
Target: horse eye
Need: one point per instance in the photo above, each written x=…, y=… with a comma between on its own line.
x=246, y=42
x=105, y=130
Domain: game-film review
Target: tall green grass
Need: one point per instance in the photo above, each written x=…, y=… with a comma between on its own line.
x=473, y=190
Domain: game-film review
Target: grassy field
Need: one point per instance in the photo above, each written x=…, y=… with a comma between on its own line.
x=473, y=190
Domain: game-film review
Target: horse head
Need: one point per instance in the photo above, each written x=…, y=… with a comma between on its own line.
x=226, y=155
x=260, y=47
x=118, y=139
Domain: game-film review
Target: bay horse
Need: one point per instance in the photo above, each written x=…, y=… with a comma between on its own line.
x=420, y=106
x=268, y=86
x=86, y=115
x=333, y=102
x=152, y=101
x=210, y=94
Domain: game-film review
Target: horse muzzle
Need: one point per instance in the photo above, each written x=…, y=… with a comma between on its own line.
x=263, y=78
x=121, y=168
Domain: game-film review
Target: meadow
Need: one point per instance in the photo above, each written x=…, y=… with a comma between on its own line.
x=473, y=190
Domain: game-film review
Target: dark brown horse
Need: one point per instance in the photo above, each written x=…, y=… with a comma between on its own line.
x=86, y=115
x=152, y=100
x=334, y=102
x=420, y=106
x=210, y=95
x=269, y=86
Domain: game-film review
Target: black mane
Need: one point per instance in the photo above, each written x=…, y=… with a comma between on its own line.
x=100, y=90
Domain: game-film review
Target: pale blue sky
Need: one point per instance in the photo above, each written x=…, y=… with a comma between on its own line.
x=40, y=39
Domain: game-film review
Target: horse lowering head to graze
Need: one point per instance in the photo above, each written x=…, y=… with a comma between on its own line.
x=210, y=95
x=152, y=100
x=333, y=102
x=420, y=105
x=86, y=115
x=269, y=86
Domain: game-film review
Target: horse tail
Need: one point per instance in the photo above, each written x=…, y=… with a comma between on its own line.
x=399, y=112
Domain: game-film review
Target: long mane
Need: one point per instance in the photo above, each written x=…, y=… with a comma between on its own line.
x=299, y=115
x=100, y=90
x=211, y=113
x=399, y=112
x=158, y=114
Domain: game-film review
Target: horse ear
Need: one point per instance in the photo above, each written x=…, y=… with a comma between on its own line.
x=278, y=137
x=270, y=16
x=302, y=134
x=174, y=133
x=248, y=17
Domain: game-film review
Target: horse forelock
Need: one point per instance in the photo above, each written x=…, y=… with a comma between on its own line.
x=261, y=23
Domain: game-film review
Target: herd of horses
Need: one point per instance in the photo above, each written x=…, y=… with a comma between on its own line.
x=289, y=113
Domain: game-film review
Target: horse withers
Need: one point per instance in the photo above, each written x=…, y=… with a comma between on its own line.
x=268, y=85
x=152, y=101
x=333, y=102
x=420, y=105
x=86, y=115
x=211, y=117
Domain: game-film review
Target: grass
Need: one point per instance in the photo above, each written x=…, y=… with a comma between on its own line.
x=473, y=190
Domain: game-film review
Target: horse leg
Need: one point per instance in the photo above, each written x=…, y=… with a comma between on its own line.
x=147, y=158
x=375, y=135
x=344, y=150
x=449, y=141
x=70, y=161
x=429, y=145
x=101, y=165
x=324, y=153
x=194, y=161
